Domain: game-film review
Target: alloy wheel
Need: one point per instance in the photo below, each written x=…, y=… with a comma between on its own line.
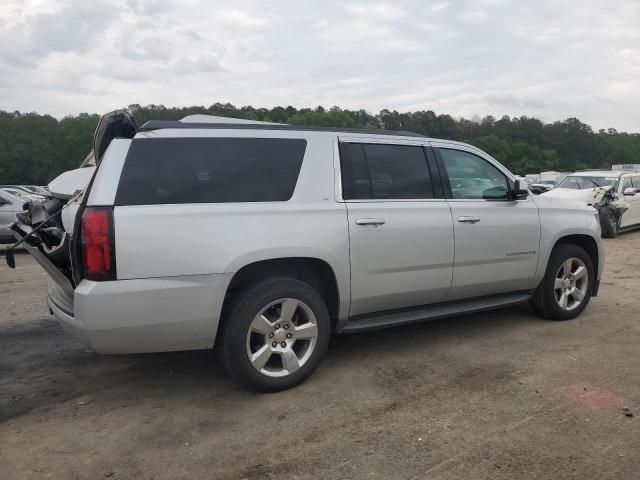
x=571, y=283
x=282, y=337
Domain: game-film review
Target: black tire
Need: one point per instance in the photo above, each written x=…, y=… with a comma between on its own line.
x=609, y=224
x=239, y=317
x=544, y=299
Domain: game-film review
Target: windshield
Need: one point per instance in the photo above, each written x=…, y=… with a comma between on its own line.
x=581, y=182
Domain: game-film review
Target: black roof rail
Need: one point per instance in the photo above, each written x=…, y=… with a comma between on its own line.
x=164, y=124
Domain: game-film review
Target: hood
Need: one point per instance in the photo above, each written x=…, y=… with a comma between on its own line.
x=586, y=195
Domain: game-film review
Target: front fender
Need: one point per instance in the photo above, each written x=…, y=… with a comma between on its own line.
x=564, y=221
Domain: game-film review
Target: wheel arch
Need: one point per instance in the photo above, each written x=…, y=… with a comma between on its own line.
x=587, y=242
x=591, y=246
x=316, y=272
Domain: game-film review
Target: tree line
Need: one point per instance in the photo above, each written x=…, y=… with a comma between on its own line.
x=35, y=148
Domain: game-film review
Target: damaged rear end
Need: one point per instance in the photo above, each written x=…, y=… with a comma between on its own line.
x=68, y=239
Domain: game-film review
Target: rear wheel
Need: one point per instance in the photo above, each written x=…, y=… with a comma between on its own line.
x=609, y=224
x=276, y=333
x=566, y=287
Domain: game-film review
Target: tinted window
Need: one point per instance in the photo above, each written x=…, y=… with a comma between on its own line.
x=472, y=177
x=626, y=183
x=636, y=182
x=384, y=171
x=210, y=170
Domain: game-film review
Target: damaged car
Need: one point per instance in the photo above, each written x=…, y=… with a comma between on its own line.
x=265, y=239
x=613, y=193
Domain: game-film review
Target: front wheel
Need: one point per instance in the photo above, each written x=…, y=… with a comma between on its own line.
x=275, y=335
x=568, y=282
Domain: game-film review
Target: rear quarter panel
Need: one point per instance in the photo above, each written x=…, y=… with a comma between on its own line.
x=214, y=238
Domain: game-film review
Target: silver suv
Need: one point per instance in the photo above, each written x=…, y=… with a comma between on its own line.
x=264, y=239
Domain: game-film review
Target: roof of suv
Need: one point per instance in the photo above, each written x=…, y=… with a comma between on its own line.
x=213, y=122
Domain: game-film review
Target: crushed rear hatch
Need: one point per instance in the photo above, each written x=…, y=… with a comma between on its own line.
x=48, y=229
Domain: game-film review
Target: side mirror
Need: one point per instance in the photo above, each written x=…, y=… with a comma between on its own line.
x=630, y=191
x=520, y=190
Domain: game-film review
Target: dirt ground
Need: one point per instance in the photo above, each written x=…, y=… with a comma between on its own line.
x=499, y=395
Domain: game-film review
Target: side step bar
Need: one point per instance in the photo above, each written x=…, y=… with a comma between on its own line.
x=431, y=312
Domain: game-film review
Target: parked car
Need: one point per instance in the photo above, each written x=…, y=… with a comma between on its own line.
x=614, y=193
x=22, y=193
x=538, y=188
x=25, y=189
x=265, y=239
x=10, y=205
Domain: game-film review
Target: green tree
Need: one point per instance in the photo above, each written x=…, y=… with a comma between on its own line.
x=35, y=148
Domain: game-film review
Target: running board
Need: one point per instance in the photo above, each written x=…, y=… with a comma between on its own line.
x=432, y=312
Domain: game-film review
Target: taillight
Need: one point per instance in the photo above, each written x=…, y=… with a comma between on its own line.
x=98, y=245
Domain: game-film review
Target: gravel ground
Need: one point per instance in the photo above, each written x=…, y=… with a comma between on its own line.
x=498, y=395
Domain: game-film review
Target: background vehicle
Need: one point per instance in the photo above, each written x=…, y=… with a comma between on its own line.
x=545, y=181
x=10, y=205
x=551, y=178
x=306, y=231
x=25, y=194
x=28, y=189
x=615, y=194
x=538, y=188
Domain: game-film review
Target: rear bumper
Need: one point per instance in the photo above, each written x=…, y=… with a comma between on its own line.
x=144, y=315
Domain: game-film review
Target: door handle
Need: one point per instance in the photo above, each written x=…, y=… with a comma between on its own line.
x=370, y=221
x=468, y=219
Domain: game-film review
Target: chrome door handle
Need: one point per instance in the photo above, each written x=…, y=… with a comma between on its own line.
x=469, y=219
x=370, y=221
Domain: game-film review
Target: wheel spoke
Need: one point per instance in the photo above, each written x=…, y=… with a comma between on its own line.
x=558, y=284
x=580, y=272
x=568, y=264
x=563, y=301
x=289, y=307
x=260, y=358
x=290, y=360
x=274, y=331
x=578, y=295
x=261, y=324
x=306, y=331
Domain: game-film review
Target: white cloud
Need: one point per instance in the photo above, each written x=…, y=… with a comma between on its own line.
x=462, y=57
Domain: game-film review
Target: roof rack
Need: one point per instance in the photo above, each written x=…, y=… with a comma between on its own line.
x=164, y=124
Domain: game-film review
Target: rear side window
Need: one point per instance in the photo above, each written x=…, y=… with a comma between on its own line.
x=210, y=170
x=378, y=171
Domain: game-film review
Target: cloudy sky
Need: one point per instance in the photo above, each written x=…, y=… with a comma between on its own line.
x=550, y=58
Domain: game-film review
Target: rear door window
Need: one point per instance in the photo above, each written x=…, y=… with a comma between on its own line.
x=210, y=170
x=385, y=172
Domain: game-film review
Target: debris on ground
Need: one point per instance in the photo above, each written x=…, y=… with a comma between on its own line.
x=627, y=412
